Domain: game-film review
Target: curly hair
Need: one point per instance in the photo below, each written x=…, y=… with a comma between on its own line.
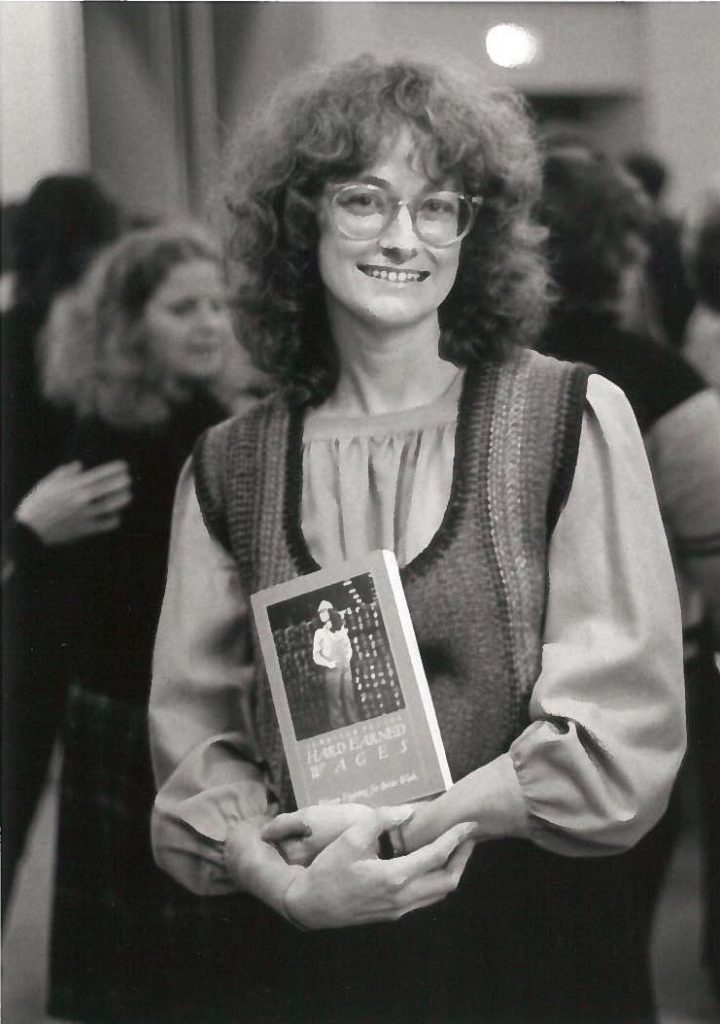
x=95, y=352
x=63, y=222
x=592, y=208
x=332, y=125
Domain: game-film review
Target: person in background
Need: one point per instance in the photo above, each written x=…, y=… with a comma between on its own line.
x=392, y=281
x=597, y=223
x=701, y=347
x=667, y=298
x=701, y=246
x=55, y=233
x=135, y=354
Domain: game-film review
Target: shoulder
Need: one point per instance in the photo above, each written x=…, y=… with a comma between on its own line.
x=219, y=437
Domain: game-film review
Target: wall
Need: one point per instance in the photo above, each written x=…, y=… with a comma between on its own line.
x=682, y=74
x=136, y=144
x=42, y=89
x=649, y=72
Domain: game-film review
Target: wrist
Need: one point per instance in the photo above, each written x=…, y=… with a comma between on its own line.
x=289, y=904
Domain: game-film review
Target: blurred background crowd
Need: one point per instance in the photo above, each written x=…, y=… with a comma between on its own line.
x=118, y=350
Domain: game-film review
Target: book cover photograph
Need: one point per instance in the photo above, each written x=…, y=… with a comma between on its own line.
x=350, y=693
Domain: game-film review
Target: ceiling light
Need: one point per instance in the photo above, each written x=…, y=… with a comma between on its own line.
x=511, y=46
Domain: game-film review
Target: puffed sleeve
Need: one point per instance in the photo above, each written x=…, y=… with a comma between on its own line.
x=203, y=747
x=596, y=765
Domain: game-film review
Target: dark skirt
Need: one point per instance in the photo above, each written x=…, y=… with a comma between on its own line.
x=528, y=938
x=127, y=943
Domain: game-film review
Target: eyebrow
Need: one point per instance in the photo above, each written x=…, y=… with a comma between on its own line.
x=371, y=179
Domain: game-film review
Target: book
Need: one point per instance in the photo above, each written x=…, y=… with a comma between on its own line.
x=353, y=704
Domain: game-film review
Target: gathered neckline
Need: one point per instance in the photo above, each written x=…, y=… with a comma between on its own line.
x=441, y=411
x=468, y=383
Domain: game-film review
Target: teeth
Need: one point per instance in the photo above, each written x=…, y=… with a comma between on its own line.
x=395, y=275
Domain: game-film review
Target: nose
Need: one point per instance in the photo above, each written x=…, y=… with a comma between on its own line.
x=399, y=241
x=211, y=317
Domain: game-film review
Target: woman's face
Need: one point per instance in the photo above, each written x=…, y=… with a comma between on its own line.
x=394, y=280
x=188, y=323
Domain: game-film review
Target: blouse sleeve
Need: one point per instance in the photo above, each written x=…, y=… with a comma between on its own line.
x=204, y=752
x=596, y=765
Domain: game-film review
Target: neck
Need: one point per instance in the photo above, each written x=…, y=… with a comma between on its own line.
x=389, y=370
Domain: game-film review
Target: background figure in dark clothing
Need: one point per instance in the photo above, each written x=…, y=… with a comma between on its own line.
x=597, y=224
x=135, y=353
x=701, y=246
x=64, y=221
x=669, y=295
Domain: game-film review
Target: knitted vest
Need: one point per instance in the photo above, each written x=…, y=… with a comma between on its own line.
x=477, y=593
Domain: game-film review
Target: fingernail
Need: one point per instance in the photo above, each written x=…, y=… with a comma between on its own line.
x=307, y=829
x=403, y=813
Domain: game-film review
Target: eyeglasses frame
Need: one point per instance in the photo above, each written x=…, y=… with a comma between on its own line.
x=411, y=205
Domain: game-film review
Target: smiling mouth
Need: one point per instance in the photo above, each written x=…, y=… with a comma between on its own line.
x=395, y=276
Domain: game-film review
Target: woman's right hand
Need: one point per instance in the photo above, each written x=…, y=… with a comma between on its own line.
x=347, y=884
x=70, y=503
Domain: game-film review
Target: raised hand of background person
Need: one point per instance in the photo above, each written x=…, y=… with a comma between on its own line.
x=70, y=503
x=302, y=835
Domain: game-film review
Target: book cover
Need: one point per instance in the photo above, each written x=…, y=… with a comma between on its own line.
x=355, y=712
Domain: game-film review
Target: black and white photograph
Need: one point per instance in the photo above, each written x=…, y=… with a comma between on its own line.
x=335, y=657
x=360, y=511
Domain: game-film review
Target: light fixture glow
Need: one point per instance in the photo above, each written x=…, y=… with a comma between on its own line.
x=511, y=46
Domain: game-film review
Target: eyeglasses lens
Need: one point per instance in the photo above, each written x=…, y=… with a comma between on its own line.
x=363, y=212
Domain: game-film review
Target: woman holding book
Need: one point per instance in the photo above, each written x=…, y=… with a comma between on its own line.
x=392, y=282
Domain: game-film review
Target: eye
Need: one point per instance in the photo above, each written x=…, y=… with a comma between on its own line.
x=361, y=201
x=183, y=307
x=440, y=206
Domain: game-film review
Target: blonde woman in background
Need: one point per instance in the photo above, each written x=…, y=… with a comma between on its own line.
x=136, y=355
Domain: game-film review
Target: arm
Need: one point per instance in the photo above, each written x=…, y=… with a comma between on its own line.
x=593, y=771
x=319, y=650
x=213, y=808
x=684, y=450
x=204, y=752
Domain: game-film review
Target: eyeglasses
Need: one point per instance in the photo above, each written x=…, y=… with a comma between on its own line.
x=362, y=212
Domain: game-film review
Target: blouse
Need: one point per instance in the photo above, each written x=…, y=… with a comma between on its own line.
x=592, y=771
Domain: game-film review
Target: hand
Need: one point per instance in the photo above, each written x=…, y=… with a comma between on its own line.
x=301, y=835
x=347, y=884
x=70, y=503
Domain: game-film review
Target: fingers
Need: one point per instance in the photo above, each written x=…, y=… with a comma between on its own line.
x=413, y=893
x=361, y=838
x=394, y=817
x=103, y=481
x=106, y=471
x=436, y=855
x=112, y=502
x=295, y=851
x=67, y=470
x=103, y=524
x=286, y=826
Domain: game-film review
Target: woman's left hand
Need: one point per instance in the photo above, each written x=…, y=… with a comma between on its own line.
x=302, y=835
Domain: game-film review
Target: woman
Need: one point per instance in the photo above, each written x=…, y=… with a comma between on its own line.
x=65, y=220
x=392, y=279
x=598, y=222
x=136, y=355
x=332, y=651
